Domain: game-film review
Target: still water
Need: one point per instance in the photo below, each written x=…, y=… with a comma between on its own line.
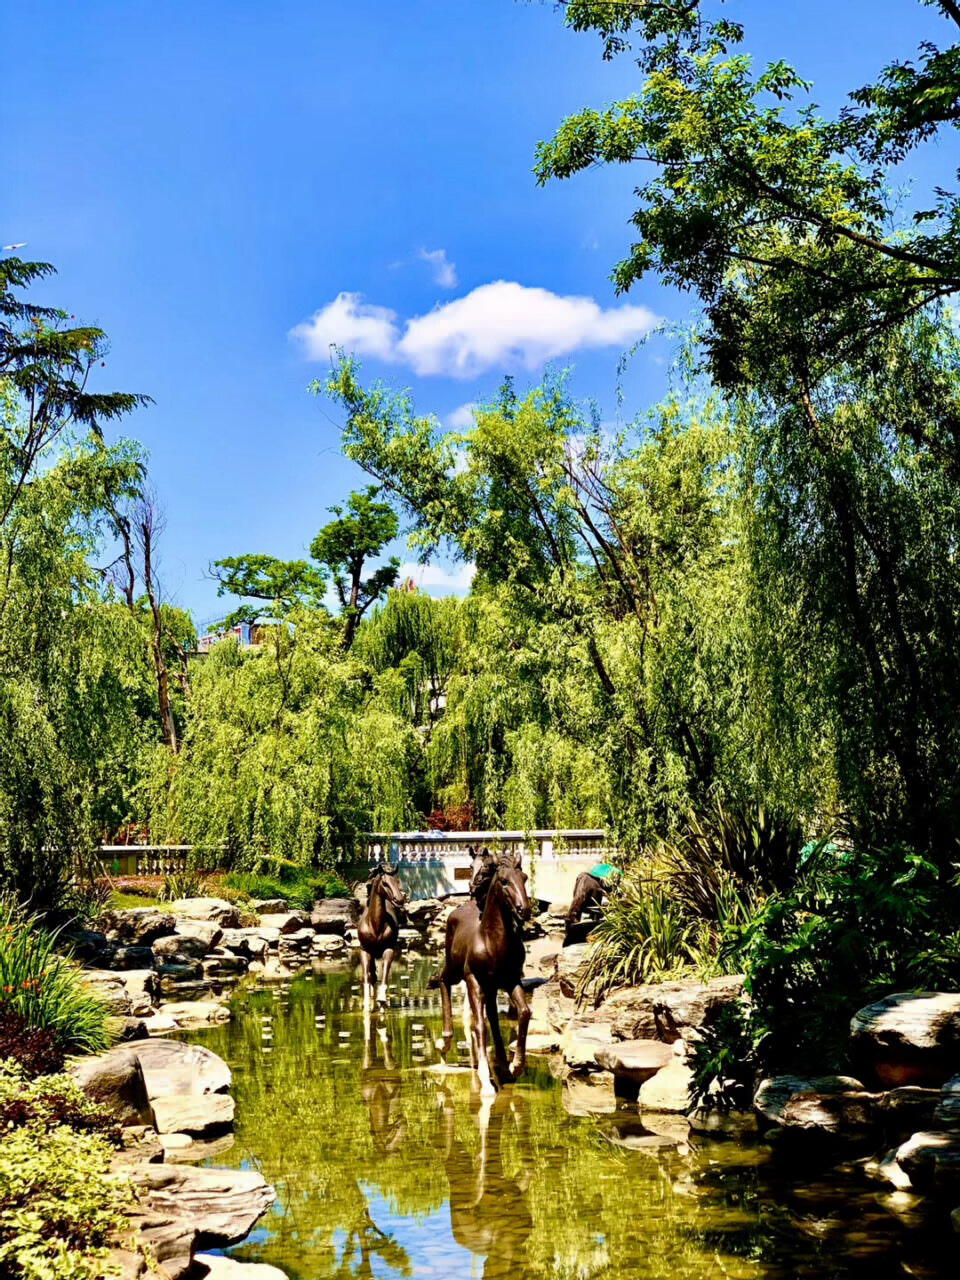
x=386, y=1166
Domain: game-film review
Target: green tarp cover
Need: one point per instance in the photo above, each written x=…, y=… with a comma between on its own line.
x=605, y=871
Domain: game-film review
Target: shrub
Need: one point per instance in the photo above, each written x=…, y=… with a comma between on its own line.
x=301, y=886
x=643, y=936
x=725, y=1061
x=59, y=1205
x=44, y=989
x=857, y=926
x=181, y=884
x=35, y=1049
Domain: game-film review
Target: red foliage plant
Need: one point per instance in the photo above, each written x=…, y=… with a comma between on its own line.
x=37, y=1050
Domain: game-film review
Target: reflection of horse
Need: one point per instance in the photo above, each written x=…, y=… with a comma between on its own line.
x=485, y=950
x=488, y=1208
x=380, y=1087
x=379, y=930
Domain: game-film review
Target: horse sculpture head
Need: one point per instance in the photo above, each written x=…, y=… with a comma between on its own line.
x=389, y=885
x=482, y=870
x=513, y=886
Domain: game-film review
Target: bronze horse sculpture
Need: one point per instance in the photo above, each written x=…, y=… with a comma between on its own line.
x=379, y=930
x=485, y=950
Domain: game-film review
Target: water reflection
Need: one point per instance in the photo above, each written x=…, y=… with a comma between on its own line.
x=387, y=1165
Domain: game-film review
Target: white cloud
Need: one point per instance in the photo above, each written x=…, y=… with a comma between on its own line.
x=496, y=325
x=461, y=417
x=437, y=580
x=350, y=323
x=444, y=272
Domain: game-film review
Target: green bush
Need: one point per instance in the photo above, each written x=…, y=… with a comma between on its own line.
x=856, y=926
x=182, y=884
x=46, y=989
x=60, y=1206
x=301, y=886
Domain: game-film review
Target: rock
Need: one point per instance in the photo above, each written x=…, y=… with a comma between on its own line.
x=136, y=926
x=236, y=941
x=170, y=1238
x=885, y=1169
x=220, y=1204
x=130, y=1028
x=191, y=1013
x=226, y=962
x=636, y=1133
x=908, y=1039
x=124, y=1264
x=408, y=936
x=328, y=944
x=420, y=911
x=842, y=1114
x=173, y=973
x=669, y=1011
x=544, y=1042
x=86, y=944
x=589, y=1095
x=570, y=967
x=908, y=1108
x=669, y=1090
x=213, y=910
x=115, y=1080
x=143, y=986
x=173, y=1069
x=206, y=931
x=947, y=1112
x=180, y=948
x=187, y=989
x=289, y=921
x=201, y=1149
x=581, y=1043
x=269, y=906
x=200, y=1114
x=298, y=939
x=223, y=1268
x=775, y=1092
x=919, y=1156
x=335, y=915
x=636, y=1060
x=131, y=958
x=550, y=1009
x=111, y=990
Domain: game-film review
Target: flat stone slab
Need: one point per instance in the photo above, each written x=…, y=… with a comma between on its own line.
x=206, y=931
x=221, y=1205
x=288, y=921
x=136, y=926
x=335, y=915
x=668, y=1091
x=172, y=1069
x=193, y=1113
x=221, y=1268
x=636, y=1060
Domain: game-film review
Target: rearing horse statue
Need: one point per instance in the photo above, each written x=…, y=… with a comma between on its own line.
x=485, y=950
x=379, y=930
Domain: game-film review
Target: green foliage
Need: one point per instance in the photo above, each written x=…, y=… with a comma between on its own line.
x=59, y=1204
x=300, y=886
x=46, y=989
x=725, y=1062
x=181, y=884
x=643, y=936
x=857, y=925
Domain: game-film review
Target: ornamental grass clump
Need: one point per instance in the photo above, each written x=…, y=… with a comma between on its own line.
x=644, y=936
x=46, y=989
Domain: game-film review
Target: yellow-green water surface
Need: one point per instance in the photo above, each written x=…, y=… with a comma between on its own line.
x=386, y=1167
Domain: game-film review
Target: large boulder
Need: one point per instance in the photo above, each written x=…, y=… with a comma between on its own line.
x=173, y=1069
x=221, y=1205
x=131, y=958
x=136, y=926
x=87, y=944
x=206, y=932
x=115, y=1081
x=203, y=1113
x=925, y=1157
x=908, y=1038
x=582, y=1041
x=335, y=915
x=213, y=910
x=269, y=906
x=180, y=948
x=670, y=1011
x=669, y=1090
x=289, y=921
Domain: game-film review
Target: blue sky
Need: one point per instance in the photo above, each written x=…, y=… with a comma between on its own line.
x=213, y=179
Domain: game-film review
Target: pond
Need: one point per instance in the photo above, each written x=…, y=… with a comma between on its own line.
x=386, y=1165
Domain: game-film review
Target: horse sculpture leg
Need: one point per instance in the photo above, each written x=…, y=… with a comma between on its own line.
x=368, y=977
x=446, y=1037
x=384, y=977
x=519, y=998
x=493, y=1016
x=469, y=1029
x=475, y=992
